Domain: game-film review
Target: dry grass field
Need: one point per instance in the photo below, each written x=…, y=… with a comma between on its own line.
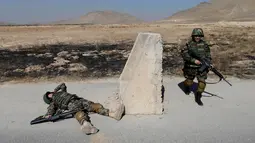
x=231, y=45
x=37, y=35
x=13, y=36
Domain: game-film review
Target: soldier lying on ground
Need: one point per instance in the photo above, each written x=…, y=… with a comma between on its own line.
x=61, y=99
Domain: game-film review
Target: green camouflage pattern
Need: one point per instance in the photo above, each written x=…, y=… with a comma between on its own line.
x=197, y=32
x=65, y=101
x=191, y=52
x=62, y=99
x=194, y=50
x=62, y=88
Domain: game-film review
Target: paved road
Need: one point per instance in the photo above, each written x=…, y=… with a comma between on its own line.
x=228, y=120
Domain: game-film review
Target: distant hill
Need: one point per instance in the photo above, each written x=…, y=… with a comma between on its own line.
x=102, y=17
x=217, y=10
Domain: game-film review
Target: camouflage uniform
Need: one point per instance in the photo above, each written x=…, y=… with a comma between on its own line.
x=63, y=100
x=190, y=53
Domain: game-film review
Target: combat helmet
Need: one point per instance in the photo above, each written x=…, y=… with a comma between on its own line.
x=197, y=32
x=46, y=99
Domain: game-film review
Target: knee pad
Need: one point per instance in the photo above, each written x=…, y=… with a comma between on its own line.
x=201, y=86
x=188, y=82
x=81, y=116
x=98, y=108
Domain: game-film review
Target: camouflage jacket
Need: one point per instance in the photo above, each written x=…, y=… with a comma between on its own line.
x=60, y=99
x=194, y=50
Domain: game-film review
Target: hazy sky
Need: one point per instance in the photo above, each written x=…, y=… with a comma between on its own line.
x=27, y=11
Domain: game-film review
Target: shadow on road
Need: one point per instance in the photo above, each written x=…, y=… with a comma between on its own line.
x=194, y=88
x=163, y=93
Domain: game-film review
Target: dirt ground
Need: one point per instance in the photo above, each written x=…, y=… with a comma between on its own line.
x=34, y=52
x=231, y=46
x=13, y=36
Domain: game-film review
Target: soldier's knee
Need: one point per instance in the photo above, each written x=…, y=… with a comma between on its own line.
x=188, y=82
x=201, y=86
x=201, y=79
x=98, y=108
x=81, y=116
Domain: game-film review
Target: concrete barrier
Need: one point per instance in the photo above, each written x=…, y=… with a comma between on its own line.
x=141, y=79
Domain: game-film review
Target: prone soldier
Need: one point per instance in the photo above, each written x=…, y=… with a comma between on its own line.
x=195, y=49
x=61, y=99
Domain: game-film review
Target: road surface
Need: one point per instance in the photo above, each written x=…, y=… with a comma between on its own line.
x=227, y=120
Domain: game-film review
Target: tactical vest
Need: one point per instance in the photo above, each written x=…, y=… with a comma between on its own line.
x=196, y=50
x=61, y=99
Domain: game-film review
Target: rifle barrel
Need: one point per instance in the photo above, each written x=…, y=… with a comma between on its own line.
x=227, y=82
x=38, y=121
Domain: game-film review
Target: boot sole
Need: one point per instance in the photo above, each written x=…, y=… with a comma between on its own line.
x=92, y=133
x=88, y=130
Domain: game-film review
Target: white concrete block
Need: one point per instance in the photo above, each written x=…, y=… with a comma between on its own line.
x=141, y=79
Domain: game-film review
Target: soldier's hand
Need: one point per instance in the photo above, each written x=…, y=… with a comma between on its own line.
x=197, y=62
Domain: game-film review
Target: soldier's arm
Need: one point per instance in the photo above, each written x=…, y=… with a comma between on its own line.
x=51, y=110
x=186, y=56
x=62, y=87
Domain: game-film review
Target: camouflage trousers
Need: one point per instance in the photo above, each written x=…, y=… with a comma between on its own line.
x=83, y=107
x=191, y=73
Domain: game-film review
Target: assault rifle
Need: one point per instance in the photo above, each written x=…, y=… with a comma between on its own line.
x=205, y=64
x=57, y=116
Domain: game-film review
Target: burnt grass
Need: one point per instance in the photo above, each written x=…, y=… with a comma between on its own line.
x=104, y=60
x=84, y=61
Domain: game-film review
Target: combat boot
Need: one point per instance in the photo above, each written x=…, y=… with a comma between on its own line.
x=198, y=97
x=118, y=112
x=88, y=128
